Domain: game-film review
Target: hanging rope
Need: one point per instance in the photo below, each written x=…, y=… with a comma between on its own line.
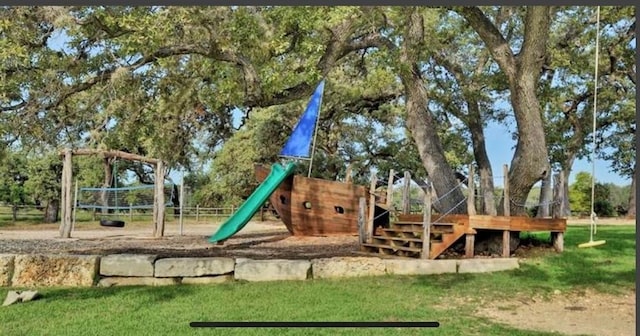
x=593, y=145
x=593, y=226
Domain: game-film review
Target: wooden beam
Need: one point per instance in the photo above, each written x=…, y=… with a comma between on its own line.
x=390, y=189
x=506, y=238
x=471, y=197
x=520, y=223
x=507, y=200
x=372, y=208
x=406, y=194
x=113, y=153
x=67, y=177
x=426, y=224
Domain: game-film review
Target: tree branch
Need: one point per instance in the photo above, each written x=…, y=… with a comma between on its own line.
x=496, y=43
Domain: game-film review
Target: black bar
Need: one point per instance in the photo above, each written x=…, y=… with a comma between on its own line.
x=314, y=324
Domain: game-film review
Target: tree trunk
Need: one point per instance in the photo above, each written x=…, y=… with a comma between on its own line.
x=175, y=199
x=482, y=159
x=632, y=196
x=14, y=212
x=546, y=194
x=529, y=163
x=420, y=123
x=51, y=211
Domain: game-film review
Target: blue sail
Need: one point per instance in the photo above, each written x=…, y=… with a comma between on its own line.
x=299, y=143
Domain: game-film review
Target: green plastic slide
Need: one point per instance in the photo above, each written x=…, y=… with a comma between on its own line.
x=246, y=211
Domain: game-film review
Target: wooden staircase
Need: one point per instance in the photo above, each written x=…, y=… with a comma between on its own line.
x=404, y=238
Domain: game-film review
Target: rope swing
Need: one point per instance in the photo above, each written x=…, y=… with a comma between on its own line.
x=593, y=226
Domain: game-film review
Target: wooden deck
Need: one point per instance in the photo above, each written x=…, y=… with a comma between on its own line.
x=485, y=222
x=405, y=236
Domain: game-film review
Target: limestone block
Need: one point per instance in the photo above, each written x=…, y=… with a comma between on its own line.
x=55, y=270
x=127, y=265
x=272, y=270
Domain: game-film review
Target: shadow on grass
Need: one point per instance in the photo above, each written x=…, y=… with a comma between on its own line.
x=151, y=293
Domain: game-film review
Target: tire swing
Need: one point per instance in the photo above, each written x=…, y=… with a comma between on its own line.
x=113, y=222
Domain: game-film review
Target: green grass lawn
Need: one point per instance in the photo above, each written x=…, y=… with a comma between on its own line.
x=168, y=310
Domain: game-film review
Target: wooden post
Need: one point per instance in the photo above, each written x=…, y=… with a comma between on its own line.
x=558, y=199
x=545, y=197
x=471, y=197
x=506, y=201
x=63, y=196
x=130, y=212
x=506, y=247
x=362, y=219
x=390, y=190
x=67, y=176
x=197, y=212
x=557, y=239
x=406, y=194
x=159, y=201
x=75, y=204
x=181, y=223
x=469, y=245
x=348, y=174
x=155, y=201
x=506, y=235
x=426, y=224
x=372, y=208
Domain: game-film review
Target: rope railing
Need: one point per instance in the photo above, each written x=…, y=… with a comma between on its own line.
x=449, y=211
x=534, y=204
x=451, y=190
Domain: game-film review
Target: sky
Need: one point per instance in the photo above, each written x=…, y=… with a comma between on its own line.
x=500, y=148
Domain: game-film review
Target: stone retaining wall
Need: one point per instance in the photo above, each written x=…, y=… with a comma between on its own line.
x=130, y=269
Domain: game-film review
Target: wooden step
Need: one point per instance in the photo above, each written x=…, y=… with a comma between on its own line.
x=408, y=223
x=404, y=239
x=412, y=227
x=437, y=248
x=393, y=248
x=442, y=228
x=405, y=229
x=394, y=242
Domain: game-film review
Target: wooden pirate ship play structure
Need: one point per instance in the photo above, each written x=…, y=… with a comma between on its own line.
x=317, y=207
x=312, y=206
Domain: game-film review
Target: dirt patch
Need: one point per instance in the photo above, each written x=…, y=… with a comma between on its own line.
x=259, y=240
x=587, y=313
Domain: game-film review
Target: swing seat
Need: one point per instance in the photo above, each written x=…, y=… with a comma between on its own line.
x=111, y=223
x=592, y=243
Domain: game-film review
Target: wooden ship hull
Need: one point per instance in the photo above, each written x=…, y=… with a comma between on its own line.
x=317, y=207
